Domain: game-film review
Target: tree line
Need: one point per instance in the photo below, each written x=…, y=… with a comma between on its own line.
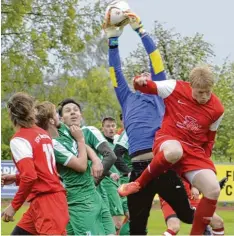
x=54, y=49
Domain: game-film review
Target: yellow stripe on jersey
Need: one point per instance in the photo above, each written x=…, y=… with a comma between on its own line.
x=156, y=61
x=113, y=77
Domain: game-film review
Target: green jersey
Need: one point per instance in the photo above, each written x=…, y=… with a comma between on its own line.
x=123, y=141
x=77, y=184
x=93, y=137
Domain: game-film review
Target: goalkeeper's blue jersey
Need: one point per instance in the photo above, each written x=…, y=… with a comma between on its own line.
x=142, y=113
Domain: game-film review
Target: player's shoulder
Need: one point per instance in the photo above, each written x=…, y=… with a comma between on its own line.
x=91, y=129
x=217, y=104
x=58, y=142
x=29, y=133
x=183, y=84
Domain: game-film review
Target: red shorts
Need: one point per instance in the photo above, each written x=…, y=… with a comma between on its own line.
x=194, y=158
x=47, y=214
x=168, y=212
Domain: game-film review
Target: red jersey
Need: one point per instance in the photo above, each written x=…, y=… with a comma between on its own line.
x=184, y=117
x=33, y=154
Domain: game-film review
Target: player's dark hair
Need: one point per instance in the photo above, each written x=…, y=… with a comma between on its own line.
x=65, y=102
x=21, y=110
x=108, y=118
x=121, y=116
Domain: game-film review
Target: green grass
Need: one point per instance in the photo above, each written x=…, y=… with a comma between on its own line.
x=156, y=223
x=157, y=226
x=8, y=227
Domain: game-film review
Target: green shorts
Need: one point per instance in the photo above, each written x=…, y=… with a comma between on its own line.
x=90, y=216
x=102, y=191
x=125, y=229
x=115, y=201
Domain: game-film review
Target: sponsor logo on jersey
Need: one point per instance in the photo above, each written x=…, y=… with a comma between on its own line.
x=188, y=123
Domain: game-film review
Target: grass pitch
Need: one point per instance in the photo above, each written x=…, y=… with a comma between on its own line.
x=156, y=224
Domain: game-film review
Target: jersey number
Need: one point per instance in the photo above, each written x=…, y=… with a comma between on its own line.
x=50, y=158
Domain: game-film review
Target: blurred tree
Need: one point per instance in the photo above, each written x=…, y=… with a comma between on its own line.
x=93, y=91
x=224, y=89
x=43, y=37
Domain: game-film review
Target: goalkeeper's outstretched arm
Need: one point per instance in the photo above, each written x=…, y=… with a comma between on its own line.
x=156, y=63
x=116, y=74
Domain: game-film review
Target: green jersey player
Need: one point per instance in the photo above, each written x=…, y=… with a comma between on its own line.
x=122, y=144
x=94, y=138
x=85, y=203
x=111, y=186
x=121, y=151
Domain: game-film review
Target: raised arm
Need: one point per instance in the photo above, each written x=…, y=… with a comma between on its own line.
x=161, y=88
x=156, y=63
x=119, y=82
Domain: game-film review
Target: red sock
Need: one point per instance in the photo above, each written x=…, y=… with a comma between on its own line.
x=158, y=165
x=169, y=232
x=219, y=231
x=203, y=215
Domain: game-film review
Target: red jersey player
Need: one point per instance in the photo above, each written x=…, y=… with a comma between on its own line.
x=38, y=181
x=185, y=141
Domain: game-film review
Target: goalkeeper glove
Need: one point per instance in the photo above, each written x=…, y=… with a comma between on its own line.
x=113, y=32
x=222, y=182
x=135, y=22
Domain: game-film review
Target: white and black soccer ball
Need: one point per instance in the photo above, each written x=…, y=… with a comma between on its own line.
x=114, y=15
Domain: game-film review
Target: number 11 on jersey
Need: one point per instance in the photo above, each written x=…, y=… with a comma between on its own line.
x=49, y=152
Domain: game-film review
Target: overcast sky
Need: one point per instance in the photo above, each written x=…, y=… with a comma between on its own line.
x=212, y=18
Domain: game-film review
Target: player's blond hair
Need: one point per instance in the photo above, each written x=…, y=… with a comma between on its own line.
x=201, y=77
x=21, y=110
x=44, y=112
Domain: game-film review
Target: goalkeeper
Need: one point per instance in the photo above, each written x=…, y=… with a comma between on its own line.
x=142, y=116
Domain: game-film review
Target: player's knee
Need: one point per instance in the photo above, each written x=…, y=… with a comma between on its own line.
x=213, y=192
x=173, y=155
x=173, y=224
x=172, y=150
x=217, y=222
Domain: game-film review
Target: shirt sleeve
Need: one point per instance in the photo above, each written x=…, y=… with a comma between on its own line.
x=165, y=88
x=156, y=63
x=215, y=125
x=208, y=146
x=22, y=153
x=62, y=155
x=94, y=137
x=119, y=82
x=123, y=141
x=20, y=149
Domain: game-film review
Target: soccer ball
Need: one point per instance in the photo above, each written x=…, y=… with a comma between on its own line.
x=114, y=15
